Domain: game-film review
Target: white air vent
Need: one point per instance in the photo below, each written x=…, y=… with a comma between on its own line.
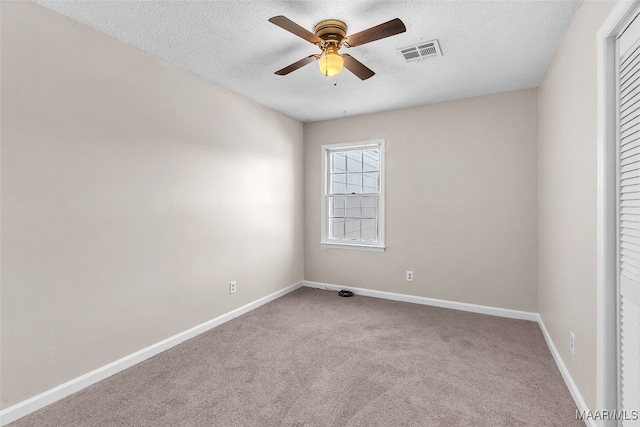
x=421, y=51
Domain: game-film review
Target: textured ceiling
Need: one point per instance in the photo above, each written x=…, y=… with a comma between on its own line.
x=488, y=47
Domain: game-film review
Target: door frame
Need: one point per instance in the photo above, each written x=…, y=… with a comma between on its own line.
x=607, y=328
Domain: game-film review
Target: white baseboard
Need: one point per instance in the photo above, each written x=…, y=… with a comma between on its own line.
x=568, y=380
x=473, y=308
x=41, y=400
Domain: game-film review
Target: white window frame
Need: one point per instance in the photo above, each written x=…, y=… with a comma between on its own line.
x=326, y=242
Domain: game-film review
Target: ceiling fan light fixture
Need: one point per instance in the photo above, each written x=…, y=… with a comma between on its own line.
x=331, y=63
x=330, y=36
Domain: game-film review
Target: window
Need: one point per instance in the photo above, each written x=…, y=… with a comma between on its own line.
x=353, y=195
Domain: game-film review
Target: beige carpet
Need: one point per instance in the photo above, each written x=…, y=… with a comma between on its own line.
x=312, y=358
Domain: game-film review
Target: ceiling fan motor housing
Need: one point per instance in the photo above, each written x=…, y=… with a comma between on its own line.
x=331, y=30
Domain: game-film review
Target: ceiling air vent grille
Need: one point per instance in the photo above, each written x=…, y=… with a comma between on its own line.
x=421, y=51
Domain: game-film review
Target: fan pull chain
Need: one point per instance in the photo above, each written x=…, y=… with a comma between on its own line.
x=335, y=80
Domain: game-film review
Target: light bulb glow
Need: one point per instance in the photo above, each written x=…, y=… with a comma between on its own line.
x=331, y=62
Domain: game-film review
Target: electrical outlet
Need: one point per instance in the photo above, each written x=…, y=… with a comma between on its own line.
x=572, y=342
x=232, y=287
x=409, y=276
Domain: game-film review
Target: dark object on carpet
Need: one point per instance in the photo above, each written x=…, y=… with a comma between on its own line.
x=345, y=293
x=289, y=363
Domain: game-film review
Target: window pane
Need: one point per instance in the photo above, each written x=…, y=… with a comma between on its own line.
x=354, y=161
x=370, y=160
x=337, y=228
x=369, y=207
x=337, y=207
x=338, y=184
x=353, y=207
x=370, y=182
x=369, y=230
x=352, y=229
x=339, y=162
x=354, y=183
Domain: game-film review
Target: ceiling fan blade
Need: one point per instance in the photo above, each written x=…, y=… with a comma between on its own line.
x=304, y=61
x=292, y=27
x=387, y=29
x=356, y=67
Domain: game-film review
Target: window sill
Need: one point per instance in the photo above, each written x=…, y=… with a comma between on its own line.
x=352, y=246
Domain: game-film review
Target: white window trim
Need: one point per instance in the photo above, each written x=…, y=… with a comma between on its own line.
x=380, y=246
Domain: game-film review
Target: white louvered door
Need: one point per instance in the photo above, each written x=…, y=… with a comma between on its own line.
x=629, y=218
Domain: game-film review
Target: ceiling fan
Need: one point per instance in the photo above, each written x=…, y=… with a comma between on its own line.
x=330, y=36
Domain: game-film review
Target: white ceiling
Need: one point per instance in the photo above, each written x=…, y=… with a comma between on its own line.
x=488, y=47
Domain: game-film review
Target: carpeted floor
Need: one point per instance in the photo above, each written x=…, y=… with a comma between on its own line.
x=312, y=358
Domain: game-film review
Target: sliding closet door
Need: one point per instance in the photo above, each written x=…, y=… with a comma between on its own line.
x=629, y=218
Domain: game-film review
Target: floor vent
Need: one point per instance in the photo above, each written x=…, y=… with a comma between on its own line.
x=421, y=51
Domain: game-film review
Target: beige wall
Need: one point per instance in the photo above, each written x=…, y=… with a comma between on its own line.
x=132, y=193
x=461, y=202
x=567, y=196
